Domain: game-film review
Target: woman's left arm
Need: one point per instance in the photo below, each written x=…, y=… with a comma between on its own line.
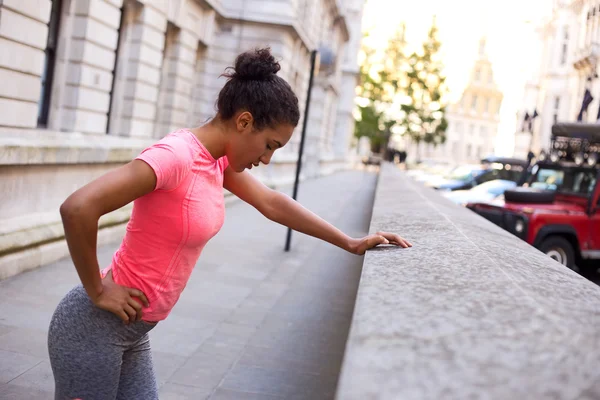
x=282, y=209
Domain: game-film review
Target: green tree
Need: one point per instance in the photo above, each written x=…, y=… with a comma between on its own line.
x=424, y=109
x=381, y=81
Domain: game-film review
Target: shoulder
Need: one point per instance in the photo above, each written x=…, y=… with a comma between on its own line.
x=171, y=158
x=176, y=146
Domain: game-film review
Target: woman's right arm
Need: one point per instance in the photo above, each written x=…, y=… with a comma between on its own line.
x=80, y=214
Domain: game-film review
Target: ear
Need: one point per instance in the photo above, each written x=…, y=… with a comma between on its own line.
x=244, y=122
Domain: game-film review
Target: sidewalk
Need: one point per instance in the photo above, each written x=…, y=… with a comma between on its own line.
x=253, y=323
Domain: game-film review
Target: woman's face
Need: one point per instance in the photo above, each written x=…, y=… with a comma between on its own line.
x=249, y=147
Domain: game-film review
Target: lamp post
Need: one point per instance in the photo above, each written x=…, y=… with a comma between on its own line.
x=313, y=62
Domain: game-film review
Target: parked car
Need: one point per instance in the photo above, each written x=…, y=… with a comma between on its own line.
x=433, y=173
x=481, y=193
x=460, y=177
x=557, y=210
x=427, y=169
x=468, y=176
x=372, y=159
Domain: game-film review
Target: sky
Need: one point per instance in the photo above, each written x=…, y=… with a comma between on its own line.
x=508, y=26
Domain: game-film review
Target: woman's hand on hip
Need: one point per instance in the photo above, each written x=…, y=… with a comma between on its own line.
x=360, y=246
x=120, y=301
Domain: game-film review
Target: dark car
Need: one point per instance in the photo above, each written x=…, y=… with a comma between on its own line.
x=468, y=176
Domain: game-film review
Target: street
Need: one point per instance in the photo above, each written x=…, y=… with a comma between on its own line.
x=253, y=323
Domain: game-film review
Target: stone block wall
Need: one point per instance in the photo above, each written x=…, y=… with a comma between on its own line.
x=88, y=84
x=23, y=37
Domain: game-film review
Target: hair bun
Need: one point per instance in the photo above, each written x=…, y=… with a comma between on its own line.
x=258, y=64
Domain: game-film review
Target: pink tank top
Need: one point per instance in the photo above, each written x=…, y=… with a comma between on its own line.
x=170, y=226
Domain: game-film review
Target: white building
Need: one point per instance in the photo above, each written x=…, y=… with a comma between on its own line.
x=473, y=120
x=87, y=84
x=570, y=45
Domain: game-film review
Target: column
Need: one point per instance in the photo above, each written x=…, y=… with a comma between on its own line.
x=177, y=80
x=134, y=107
x=84, y=83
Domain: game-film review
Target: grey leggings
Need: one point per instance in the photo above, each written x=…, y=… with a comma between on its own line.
x=94, y=355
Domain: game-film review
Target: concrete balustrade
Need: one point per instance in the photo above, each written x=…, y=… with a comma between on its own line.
x=469, y=312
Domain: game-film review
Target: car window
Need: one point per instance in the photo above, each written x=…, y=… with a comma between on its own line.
x=581, y=182
x=462, y=174
x=507, y=173
x=488, y=176
x=569, y=181
x=547, y=179
x=514, y=174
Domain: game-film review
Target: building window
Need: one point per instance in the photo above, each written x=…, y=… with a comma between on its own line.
x=474, y=103
x=471, y=130
x=556, y=109
x=483, y=131
x=120, y=39
x=468, y=150
x=487, y=106
x=50, y=61
x=459, y=128
x=477, y=75
x=565, y=47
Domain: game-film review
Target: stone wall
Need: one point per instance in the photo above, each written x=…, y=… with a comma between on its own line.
x=469, y=312
x=88, y=84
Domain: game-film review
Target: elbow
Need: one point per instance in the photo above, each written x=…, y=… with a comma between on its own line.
x=68, y=209
x=71, y=209
x=274, y=206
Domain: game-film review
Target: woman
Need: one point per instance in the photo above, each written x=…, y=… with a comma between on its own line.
x=177, y=188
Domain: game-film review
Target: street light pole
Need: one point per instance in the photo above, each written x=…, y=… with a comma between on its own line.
x=313, y=60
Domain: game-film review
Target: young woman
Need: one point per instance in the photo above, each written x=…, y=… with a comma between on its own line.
x=98, y=337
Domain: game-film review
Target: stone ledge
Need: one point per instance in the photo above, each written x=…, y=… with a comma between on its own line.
x=469, y=311
x=37, y=146
x=236, y=15
x=17, y=234
x=47, y=253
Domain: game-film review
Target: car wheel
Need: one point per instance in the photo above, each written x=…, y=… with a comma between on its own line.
x=559, y=249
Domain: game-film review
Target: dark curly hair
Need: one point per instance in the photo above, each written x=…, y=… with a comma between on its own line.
x=254, y=86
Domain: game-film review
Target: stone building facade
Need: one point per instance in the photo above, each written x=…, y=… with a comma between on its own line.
x=87, y=84
x=473, y=120
x=565, y=66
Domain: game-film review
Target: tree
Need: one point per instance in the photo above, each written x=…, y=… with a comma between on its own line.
x=380, y=83
x=402, y=94
x=424, y=109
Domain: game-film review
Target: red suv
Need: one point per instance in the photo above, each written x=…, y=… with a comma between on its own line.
x=557, y=209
